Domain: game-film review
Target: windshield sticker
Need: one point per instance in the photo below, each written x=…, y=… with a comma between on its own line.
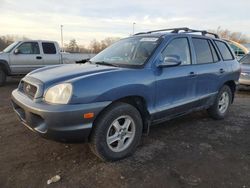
x=149, y=39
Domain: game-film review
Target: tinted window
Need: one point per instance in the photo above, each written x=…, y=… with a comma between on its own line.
x=224, y=50
x=49, y=48
x=178, y=47
x=29, y=48
x=245, y=59
x=202, y=51
x=214, y=53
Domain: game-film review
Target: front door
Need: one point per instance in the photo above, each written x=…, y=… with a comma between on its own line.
x=27, y=58
x=175, y=86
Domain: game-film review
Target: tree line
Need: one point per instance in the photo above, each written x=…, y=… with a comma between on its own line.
x=230, y=35
x=96, y=46
x=8, y=39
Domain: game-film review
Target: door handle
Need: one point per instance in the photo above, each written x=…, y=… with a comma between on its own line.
x=222, y=71
x=38, y=57
x=192, y=74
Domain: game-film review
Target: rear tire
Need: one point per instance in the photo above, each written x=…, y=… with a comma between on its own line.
x=222, y=102
x=2, y=77
x=116, y=132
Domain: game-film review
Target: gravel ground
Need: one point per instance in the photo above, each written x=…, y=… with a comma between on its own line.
x=191, y=151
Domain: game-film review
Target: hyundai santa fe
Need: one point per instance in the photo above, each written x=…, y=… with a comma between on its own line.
x=139, y=81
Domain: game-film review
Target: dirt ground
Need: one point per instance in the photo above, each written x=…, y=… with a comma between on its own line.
x=192, y=151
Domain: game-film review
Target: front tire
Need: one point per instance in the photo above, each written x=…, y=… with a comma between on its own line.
x=116, y=132
x=221, y=105
x=2, y=77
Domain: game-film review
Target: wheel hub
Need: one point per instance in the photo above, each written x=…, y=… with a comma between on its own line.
x=223, y=102
x=121, y=133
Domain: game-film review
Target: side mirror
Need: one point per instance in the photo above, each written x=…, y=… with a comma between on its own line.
x=16, y=51
x=170, y=61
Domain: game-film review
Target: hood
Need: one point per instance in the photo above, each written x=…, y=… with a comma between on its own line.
x=62, y=73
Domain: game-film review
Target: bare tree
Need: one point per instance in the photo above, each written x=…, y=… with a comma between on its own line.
x=5, y=41
x=72, y=46
x=235, y=36
x=8, y=39
x=97, y=46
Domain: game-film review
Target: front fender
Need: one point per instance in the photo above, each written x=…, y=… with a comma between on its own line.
x=111, y=86
x=4, y=64
x=140, y=90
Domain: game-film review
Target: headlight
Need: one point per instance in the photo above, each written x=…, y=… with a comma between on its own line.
x=59, y=94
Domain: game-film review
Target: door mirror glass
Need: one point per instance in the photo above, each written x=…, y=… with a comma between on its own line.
x=170, y=61
x=16, y=51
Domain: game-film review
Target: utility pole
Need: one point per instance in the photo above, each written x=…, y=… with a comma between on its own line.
x=62, y=37
x=134, y=28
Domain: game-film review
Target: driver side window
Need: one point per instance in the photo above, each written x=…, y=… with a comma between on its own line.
x=29, y=48
x=178, y=47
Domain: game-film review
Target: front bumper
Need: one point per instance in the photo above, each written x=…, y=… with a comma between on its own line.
x=244, y=79
x=245, y=82
x=57, y=122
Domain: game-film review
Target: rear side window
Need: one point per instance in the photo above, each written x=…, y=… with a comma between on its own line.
x=202, y=51
x=49, y=48
x=224, y=50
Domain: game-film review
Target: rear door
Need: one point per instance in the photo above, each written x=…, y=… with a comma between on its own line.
x=51, y=55
x=27, y=59
x=209, y=69
x=230, y=65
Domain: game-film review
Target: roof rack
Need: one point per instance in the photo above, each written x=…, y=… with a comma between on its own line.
x=177, y=30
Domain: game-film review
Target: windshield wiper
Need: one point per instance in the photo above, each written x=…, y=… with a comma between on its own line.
x=105, y=63
x=83, y=61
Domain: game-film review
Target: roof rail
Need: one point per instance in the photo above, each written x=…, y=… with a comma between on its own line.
x=177, y=30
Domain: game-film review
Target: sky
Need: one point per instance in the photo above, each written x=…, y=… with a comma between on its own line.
x=96, y=19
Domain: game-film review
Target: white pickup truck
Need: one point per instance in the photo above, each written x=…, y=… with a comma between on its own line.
x=21, y=57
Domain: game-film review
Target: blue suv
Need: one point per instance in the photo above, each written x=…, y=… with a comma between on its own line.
x=113, y=98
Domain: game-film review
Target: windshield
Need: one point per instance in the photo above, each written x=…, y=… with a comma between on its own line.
x=245, y=59
x=130, y=51
x=9, y=48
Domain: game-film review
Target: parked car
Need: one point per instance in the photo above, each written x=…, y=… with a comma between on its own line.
x=247, y=46
x=239, y=49
x=245, y=71
x=137, y=82
x=24, y=56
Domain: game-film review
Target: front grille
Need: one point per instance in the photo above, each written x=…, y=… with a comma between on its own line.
x=28, y=89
